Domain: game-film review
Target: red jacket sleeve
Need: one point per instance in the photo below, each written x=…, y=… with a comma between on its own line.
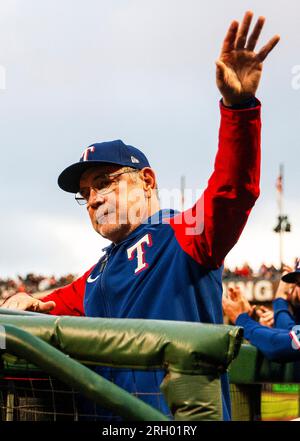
x=69, y=299
x=209, y=229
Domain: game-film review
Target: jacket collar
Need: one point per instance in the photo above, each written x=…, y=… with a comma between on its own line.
x=156, y=218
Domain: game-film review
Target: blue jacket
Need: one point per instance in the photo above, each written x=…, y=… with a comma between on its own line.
x=279, y=343
x=170, y=267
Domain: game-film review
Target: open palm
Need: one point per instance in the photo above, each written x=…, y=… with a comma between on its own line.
x=239, y=68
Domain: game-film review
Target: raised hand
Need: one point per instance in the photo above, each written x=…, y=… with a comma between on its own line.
x=284, y=290
x=235, y=304
x=239, y=68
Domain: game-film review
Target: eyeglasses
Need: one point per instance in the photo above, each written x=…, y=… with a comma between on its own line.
x=103, y=184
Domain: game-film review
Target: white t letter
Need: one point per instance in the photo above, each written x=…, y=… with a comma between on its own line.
x=140, y=252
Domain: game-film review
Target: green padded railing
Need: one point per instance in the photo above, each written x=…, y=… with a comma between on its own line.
x=252, y=367
x=74, y=374
x=248, y=372
x=183, y=346
x=193, y=354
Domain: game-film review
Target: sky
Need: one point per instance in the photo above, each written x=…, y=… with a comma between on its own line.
x=73, y=73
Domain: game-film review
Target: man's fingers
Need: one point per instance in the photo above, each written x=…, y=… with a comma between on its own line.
x=269, y=321
x=11, y=305
x=243, y=31
x=265, y=50
x=225, y=301
x=221, y=72
x=252, y=40
x=231, y=294
x=267, y=315
x=290, y=295
x=237, y=293
x=293, y=292
x=228, y=44
x=17, y=304
x=264, y=308
x=252, y=310
x=40, y=306
x=45, y=306
x=234, y=294
x=28, y=303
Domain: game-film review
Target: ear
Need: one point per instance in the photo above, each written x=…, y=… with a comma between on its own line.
x=147, y=174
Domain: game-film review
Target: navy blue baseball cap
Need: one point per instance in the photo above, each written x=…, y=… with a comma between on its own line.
x=111, y=152
x=293, y=277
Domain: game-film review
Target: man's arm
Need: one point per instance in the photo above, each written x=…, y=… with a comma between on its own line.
x=211, y=228
x=63, y=301
x=213, y=225
x=69, y=299
x=275, y=344
x=283, y=318
x=282, y=315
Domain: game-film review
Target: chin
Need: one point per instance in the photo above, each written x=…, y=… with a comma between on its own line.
x=115, y=233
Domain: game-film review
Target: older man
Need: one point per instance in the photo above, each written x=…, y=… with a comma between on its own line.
x=162, y=264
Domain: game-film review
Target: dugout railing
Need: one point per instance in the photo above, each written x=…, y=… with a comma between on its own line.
x=263, y=390
x=46, y=360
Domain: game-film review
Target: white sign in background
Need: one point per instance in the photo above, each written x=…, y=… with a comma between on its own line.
x=254, y=290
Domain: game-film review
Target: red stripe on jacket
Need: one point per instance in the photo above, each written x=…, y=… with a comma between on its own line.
x=69, y=299
x=230, y=194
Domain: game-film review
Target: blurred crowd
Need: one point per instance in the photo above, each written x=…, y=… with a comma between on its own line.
x=33, y=283
x=246, y=272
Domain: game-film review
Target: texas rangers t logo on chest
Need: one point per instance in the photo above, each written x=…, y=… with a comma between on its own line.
x=138, y=250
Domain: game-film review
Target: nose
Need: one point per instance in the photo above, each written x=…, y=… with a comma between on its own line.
x=95, y=199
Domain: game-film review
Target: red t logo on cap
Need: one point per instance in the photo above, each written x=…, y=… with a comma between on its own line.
x=85, y=154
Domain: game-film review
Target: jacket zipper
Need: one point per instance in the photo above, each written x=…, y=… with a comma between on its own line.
x=102, y=271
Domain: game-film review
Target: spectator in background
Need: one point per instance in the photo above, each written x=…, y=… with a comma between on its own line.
x=268, y=272
x=286, y=297
x=263, y=271
x=282, y=342
x=31, y=284
x=227, y=274
x=246, y=271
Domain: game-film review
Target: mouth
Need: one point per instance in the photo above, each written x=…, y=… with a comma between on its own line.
x=103, y=217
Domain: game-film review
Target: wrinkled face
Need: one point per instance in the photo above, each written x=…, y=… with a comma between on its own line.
x=116, y=201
